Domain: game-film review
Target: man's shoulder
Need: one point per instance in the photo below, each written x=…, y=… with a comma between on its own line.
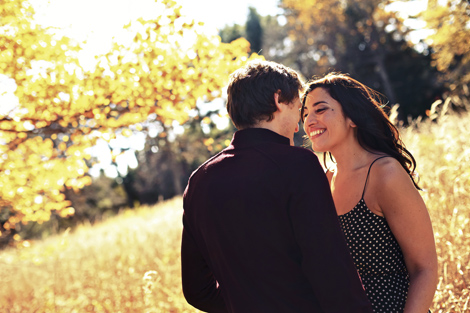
x=207, y=162
x=291, y=158
x=306, y=159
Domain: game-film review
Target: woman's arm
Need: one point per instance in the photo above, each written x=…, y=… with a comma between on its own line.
x=410, y=223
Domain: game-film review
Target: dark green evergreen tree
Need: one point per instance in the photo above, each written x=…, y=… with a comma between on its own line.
x=254, y=31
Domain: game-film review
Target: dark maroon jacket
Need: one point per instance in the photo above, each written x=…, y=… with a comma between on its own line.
x=261, y=233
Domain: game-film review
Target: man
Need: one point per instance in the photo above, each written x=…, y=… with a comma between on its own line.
x=261, y=232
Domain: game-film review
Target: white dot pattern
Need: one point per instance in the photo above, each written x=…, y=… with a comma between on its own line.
x=378, y=258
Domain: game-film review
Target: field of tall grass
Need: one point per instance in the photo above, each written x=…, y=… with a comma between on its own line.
x=131, y=263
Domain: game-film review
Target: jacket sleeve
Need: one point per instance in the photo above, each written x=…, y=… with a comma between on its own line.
x=326, y=259
x=200, y=287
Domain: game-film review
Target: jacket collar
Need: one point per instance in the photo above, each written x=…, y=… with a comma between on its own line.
x=254, y=136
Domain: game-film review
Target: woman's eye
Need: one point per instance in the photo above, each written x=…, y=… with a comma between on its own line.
x=320, y=110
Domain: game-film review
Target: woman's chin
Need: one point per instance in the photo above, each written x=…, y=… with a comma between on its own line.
x=318, y=148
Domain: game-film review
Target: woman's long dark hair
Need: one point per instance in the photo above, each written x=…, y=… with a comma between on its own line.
x=364, y=106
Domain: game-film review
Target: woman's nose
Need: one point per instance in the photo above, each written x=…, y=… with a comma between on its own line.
x=310, y=119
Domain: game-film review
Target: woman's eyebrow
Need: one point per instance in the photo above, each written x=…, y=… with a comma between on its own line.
x=319, y=102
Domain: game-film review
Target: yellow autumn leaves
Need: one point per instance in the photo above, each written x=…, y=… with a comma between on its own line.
x=64, y=108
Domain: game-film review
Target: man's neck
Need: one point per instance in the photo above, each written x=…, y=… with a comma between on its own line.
x=275, y=127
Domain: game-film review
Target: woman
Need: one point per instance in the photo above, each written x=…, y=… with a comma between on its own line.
x=383, y=217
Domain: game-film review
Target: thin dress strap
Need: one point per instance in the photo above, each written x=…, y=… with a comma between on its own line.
x=368, y=172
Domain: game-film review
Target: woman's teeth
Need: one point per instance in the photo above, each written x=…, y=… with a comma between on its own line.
x=316, y=132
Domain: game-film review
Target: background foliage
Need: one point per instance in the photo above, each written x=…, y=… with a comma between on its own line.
x=63, y=108
x=164, y=76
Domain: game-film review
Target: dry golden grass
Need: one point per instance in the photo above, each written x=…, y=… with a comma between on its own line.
x=131, y=263
x=442, y=151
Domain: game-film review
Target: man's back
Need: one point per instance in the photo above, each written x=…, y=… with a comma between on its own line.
x=259, y=219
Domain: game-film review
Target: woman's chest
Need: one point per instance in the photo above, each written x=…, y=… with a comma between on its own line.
x=349, y=190
x=346, y=191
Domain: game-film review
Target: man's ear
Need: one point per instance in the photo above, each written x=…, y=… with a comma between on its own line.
x=351, y=123
x=277, y=94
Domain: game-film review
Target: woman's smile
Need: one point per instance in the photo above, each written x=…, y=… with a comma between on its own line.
x=316, y=132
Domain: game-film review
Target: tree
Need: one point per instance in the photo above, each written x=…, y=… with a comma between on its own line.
x=364, y=39
x=231, y=32
x=254, y=31
x=450, y=42
x=63, y=109
x=169, y=157
x=276, y=44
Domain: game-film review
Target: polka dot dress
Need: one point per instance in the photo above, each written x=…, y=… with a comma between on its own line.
x=377, y=256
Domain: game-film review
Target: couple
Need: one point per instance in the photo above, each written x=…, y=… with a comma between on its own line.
x=261, y=228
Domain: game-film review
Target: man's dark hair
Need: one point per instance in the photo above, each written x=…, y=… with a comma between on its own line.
x=251, y=91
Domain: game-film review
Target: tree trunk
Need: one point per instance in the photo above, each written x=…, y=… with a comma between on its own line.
x=389, y=92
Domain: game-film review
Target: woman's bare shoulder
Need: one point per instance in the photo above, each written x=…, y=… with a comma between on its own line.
x=389, y=171
x=392, y=186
